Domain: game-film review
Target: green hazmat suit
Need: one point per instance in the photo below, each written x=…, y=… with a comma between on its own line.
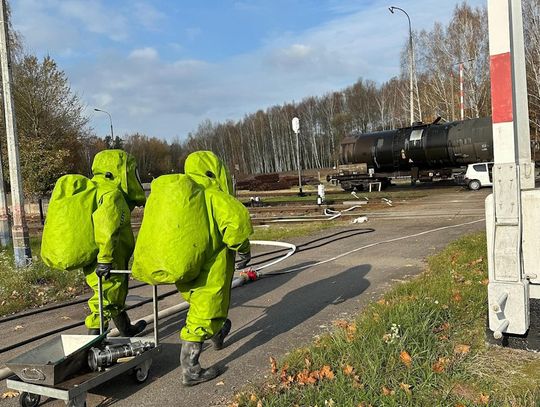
x=119, y=190
x=230, y=227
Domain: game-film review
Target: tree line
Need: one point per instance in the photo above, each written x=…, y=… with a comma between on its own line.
x=55, y=136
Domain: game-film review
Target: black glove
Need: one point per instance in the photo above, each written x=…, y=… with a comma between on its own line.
x=104, y=270
x=244, y=260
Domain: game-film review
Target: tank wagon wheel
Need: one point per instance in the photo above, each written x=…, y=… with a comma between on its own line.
x=29, y=399
x=474, y=185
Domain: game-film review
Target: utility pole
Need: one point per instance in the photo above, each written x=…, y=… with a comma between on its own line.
x=296, y=129
x=21, y=241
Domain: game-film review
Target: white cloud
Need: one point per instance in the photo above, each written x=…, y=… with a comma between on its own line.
x=147, y=53
x=167, y=98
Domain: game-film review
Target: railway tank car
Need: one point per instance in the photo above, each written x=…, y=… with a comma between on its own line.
x=424, y=146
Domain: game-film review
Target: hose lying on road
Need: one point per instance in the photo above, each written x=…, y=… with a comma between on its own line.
x=237, y=282
x=328, y=213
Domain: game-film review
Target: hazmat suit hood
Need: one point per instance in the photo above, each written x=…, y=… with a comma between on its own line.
x=206, y=169
x=121, y=168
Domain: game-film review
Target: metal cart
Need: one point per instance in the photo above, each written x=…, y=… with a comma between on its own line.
x=59, y=368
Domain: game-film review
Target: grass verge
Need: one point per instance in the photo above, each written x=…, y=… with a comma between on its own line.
x=35, y=285
x=285, y=231
x=422, y=344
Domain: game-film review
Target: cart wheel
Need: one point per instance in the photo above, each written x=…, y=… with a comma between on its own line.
x=29, y=399
x=141, y=374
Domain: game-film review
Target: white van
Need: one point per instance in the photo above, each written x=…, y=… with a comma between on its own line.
x=479, y=175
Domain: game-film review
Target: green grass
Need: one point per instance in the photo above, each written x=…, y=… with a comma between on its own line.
x=281, y=231
x=35, y=285
x=421, y=345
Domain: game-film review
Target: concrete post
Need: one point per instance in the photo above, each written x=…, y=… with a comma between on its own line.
x=21, y=241
x=513, y=174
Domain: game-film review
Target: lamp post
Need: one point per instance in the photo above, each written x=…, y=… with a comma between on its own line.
x=110, y=119
x=411, y=61
x=296, y=129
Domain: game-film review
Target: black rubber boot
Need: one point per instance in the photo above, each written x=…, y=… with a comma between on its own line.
x=192, y=372
x=218, y=338
x=123, y=324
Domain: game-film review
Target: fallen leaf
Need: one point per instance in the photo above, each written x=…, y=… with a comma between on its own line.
x=259, y=403
x=460, y=405
x=382, y=301
x=18, y=327
x=65, y=318
x=457, y=296
x=387, y=337
x=340, y=323
x=273, y=365
x=485, y=281
x=475, y=262
x=221, y=383
x=462, y=349
x=440, y=365
x=326, y=372
x=304, y=377
x=386, y=391
x=10, y=394
x=253, y=398
x=441, y=328
x=405, y=358
x=405, y=387
x=484, y=398
x=348, y=370
x=283, y=374
x=307, y=362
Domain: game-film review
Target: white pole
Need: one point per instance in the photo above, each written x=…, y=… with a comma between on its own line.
x=21, y=242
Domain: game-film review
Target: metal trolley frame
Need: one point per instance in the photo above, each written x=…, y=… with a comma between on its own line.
x=74, y=390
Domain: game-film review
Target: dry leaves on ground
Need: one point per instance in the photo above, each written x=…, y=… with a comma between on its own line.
x=462, y=349
x=10, y=394
x=405, y=358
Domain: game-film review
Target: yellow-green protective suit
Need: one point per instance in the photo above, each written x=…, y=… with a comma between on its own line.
x=118, y=192
x=230, y=227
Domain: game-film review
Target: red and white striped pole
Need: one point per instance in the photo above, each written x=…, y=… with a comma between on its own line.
x=461, y=93
x=513, y=173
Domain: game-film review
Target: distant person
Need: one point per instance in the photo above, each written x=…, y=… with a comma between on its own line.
x=209, y=294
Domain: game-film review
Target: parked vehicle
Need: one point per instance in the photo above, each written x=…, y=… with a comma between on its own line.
x=477, y=176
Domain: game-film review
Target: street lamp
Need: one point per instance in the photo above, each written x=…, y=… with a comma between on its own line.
x=110, y=119
x=296, y=129
x=411, y=61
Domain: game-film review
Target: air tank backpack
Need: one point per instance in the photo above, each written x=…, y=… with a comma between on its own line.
x=174, y=236
x=68, y=235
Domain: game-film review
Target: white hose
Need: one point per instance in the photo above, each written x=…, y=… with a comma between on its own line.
x=167, y=312
x=329, y=213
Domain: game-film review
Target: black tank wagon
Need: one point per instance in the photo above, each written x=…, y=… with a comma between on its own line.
x=423, y=151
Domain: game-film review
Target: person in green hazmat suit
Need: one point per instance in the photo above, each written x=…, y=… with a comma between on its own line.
x=119, y=190
x=209, y=294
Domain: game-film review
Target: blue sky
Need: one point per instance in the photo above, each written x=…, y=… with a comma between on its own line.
x=162, y=67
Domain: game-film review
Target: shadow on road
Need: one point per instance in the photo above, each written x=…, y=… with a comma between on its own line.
x=298, y=306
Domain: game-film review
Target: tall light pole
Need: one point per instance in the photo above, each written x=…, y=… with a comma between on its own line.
x=461, y=87
x=110, y=120
x=19, y=230
x=411, y=62
x=296, y=129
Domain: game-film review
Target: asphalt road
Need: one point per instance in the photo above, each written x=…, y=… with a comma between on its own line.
x=338, y=275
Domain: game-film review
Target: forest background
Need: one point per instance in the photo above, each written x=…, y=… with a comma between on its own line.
x=56, y=138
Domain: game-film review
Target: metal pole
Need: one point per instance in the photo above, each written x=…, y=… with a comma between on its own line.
x=461, y=96
x=21, y=241
x=110, y=120
x=411, y=63
x=452, y=89
x=298, y=165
